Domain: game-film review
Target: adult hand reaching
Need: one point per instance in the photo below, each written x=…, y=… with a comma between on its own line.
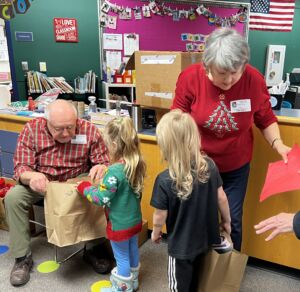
x=280, y=223
x=38, y=182
x=282, y=150
x=97, y=171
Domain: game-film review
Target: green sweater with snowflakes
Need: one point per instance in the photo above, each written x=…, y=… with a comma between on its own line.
x=122, y=204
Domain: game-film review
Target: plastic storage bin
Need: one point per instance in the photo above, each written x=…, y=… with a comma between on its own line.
x=276, y=101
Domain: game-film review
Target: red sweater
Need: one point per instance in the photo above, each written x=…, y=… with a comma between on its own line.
x=226, y=136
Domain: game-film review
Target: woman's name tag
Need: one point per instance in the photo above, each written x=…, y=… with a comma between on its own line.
x=240, y=106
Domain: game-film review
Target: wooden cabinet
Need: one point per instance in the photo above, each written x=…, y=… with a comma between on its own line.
x=155, y=165
x=283, y=249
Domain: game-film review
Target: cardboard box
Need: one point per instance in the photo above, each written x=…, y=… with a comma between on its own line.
x=157, y=73
x=3, y=222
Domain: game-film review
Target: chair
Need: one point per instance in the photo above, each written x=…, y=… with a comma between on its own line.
x=40, y=203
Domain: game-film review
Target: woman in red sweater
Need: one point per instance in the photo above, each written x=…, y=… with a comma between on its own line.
x=226, y=96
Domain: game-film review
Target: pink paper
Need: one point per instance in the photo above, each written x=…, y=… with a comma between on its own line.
x=282, y=177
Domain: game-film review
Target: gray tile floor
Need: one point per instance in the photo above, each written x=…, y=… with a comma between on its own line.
x=75, y=275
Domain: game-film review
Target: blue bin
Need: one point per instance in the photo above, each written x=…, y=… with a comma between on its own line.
x=276, y=101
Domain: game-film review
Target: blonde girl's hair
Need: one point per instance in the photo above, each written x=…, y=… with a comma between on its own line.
x=179, y=141
x=122, y=132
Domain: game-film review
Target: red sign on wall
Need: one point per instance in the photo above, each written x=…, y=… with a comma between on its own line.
x=65, y=30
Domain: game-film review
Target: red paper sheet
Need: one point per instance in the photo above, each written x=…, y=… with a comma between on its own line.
x=282, y=177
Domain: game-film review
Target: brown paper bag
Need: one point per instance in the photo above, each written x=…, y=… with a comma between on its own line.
x=3, y=222
x=222, y=272
x=71, y=219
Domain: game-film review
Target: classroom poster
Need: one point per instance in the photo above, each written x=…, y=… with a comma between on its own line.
x=65, y=30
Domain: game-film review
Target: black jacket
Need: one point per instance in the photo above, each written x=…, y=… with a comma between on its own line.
x=296, y=224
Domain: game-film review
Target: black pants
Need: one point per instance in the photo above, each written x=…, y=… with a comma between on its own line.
x=235, y=185
x=183, y=274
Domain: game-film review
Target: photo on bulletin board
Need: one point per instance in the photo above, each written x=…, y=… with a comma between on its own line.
x=171, y=26
x=160, y=31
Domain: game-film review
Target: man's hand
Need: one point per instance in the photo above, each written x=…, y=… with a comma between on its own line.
x=38, y=182
x=280, y=223
x=97, y=171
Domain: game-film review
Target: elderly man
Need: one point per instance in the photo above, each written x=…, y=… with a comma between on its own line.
x=58, y=147
x=281, y=223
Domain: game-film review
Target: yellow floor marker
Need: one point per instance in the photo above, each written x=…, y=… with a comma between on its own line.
x=48, y=267
x=101, y=286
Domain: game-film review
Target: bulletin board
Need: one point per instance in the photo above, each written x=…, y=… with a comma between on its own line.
x=162, y=33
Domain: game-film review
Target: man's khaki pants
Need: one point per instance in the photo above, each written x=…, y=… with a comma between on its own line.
x=18, y=201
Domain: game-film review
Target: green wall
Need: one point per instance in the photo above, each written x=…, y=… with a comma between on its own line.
x=72, y=59
x=63, y=59
x=259, y=40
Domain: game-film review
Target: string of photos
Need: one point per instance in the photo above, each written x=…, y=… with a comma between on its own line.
x=161, y=9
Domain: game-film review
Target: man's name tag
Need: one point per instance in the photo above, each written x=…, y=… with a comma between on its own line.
x=79, y=139
x=240, y=106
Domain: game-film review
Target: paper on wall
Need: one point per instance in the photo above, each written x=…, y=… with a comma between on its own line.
x=3, y=56
x=113, y=60
x=112, y=41
x=131, y=43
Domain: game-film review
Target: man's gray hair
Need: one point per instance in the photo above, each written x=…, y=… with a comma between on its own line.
x=226, y=49
x=49, y=108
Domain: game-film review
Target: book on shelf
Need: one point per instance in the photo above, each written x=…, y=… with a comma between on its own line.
x=85, y=84
x=38, y=82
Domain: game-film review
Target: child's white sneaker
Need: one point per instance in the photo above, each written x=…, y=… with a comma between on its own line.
x=224, y=246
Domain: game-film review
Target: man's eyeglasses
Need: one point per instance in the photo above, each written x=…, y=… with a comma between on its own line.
x=61, y=129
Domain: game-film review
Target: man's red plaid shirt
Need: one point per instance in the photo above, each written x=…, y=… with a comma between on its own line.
x=38, y=151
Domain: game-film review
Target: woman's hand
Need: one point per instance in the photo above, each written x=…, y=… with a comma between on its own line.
x=282, y=149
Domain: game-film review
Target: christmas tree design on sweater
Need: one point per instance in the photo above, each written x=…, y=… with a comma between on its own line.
x=221, y=121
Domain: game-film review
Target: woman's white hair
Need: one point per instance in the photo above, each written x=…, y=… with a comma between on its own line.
x=226, y=49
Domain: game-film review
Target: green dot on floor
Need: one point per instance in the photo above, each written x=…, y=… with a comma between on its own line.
x=48, y=267
x=96, y=287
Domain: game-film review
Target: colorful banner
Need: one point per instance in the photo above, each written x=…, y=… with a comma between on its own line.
x=8, y=8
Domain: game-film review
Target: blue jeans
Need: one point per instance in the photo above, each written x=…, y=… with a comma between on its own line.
x=235, y=185
x=126, y=254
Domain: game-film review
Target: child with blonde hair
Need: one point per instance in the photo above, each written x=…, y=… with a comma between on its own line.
x=119, y=193
x=186, y=197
